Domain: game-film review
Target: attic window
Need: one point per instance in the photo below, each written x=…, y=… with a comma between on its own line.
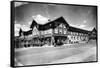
x=64, y=26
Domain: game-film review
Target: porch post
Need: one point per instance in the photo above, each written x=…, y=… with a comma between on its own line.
x=52, y=38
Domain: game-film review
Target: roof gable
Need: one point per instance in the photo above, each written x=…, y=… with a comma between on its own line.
x=51, y=24
x=73, y=29
x=20, y=31
x=94, y=30
x=34, y=23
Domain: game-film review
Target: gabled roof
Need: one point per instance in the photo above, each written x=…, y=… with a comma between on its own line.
x=20, y=31
x=52, y=24
x=34, y=23
x=94, y=30
x=74, y=29
x=25, y=32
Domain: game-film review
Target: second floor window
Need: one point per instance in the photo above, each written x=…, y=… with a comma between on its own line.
x=60, y=31
x=64, y=31
x=56, y=30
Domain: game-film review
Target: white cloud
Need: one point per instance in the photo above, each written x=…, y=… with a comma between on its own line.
x=17, y=28
x=25, y=28
x=29, y=23
x=40, y=19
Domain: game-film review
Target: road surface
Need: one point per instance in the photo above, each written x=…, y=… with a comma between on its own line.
x=52, y=55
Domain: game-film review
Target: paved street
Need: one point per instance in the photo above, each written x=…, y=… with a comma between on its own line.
x=50, y=55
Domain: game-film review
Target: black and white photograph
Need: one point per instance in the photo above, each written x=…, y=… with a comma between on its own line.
x=53, y=33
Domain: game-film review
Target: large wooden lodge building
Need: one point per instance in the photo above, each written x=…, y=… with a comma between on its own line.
x=53, y=33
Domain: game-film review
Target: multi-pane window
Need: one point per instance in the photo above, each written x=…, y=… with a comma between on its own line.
x=56, y=30
x=77, y=33
x=77, y=37
x=71, y=33
x=80, y=37
x=42, y=32
x=64, y=31
x=35, y=31
x=64, y=26
x=60, y=31
x=74, y=38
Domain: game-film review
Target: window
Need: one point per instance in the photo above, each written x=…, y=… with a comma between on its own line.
x=45, y=32
x=77, y=33
x=64, y=26
x=60, y=31
x=64, y=31
x=69, y=33
x=74, y=38
x=35, y=31
x=72, y=33
x=56, y=30
x=77, y=37
x=42, y=32
x=71, y=37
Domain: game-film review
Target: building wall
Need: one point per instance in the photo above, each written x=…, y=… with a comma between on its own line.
x=61, y=30
x=48, y=36
x=76, y=37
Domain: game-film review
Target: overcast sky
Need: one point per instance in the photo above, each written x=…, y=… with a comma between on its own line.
x=83, y=17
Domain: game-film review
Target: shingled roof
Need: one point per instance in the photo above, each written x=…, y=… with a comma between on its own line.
x=25, y=33
x=20, y=31
x=74, y=29
x=34, y=23
x=51, y=24
x=94, y=30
